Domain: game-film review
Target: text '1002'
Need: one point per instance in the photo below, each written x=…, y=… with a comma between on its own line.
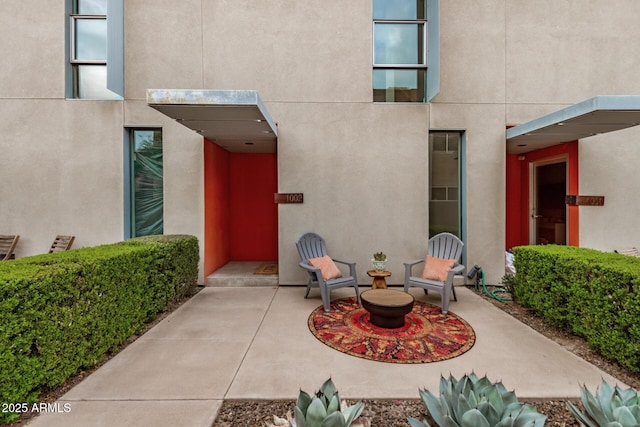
x=288, y=198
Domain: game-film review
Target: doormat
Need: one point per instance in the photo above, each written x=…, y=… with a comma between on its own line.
x=427, y=335
x=267, y=268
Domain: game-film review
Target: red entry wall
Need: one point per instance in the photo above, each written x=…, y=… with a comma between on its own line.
x=216, y=207
x=253, y=219
x=517, y=189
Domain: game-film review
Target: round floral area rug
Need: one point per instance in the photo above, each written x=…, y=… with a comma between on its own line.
x=427, y=334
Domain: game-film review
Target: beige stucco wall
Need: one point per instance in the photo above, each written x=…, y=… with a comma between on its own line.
x=608, y=167
x=61, y=172
x=362, y=166
x=363, y=171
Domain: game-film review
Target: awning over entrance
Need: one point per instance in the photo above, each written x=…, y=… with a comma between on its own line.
x=594, y=116
x=236, y=120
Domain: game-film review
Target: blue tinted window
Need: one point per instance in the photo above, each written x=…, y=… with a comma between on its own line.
x=91, y=39
x=91, y=7
x=398, y=9
x=398, y=43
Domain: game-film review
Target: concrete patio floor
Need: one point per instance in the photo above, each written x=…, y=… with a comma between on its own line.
x=254, y=343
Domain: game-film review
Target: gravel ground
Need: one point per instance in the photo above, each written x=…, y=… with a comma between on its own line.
x=381, y=413
x=394, y=413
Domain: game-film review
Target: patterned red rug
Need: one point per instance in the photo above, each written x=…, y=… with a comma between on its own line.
x=427, y=335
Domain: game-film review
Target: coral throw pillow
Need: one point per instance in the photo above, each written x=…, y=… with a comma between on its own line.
x=326, y=265
x=437, y=268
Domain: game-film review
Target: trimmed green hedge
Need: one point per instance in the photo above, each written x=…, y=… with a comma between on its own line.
x=63, y=312
x=595, y=295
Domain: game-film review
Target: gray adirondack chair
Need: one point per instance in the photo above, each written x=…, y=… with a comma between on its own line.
x=443, y=245
x=311, y=245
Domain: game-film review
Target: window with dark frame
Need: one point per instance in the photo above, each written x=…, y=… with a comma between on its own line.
x=399, y=50
x=146, y=182
x=88, y=50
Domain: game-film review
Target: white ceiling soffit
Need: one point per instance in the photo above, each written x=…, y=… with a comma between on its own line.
x=594, y=116
x=236, y=120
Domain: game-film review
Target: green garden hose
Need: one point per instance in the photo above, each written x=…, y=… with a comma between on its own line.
x=493, y=293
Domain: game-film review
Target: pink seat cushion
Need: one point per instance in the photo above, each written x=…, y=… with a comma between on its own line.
x=326, y=265
x=437, y=268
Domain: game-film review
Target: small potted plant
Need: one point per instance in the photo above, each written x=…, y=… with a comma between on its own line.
x=379, y=261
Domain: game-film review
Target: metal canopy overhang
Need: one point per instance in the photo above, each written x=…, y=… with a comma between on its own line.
x=236, y=120
x=600, y=114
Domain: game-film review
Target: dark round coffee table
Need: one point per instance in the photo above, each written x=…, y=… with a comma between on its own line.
x=387, y=307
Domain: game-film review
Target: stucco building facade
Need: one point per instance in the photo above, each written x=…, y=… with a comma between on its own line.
x=371, y=170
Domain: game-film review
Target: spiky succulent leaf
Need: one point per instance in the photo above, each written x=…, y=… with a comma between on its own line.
x=449, y=422
x=592, y=406
x=417, y=423
x=509, y=397
x=352, y=412
x=436, y=407
x=334, y=405
x=506, y=422
x=529, y=418
x=473, y=377
x=333, y=420
x=472, y=399
x=464, y=405
x=303, y=402
x=299, y=417
x=494, y=397
x=490, y=413
x=635, y=410
x=328, y=390
x=624, y=416
x=604, y=394
x=581, y=417
x=474, y=418
x=316, y=412
x=466, y=385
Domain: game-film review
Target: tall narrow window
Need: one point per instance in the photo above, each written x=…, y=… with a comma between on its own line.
x=145, y=177
x=444, y=183
x=399, y=50
x=88, y=50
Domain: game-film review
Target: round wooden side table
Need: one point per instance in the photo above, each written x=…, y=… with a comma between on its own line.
x=379, y=281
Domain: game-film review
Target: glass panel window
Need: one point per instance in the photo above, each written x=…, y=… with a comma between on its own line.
x=399, y=9
x=399, y=50
x=444, y=183
x=90, y=39
x=88, y=50
x=91, y=7
x=398, y=85
x=146, y=172
x=397, y=43
x=91, y=82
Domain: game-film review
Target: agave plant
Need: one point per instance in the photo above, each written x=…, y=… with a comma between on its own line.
x=324, y=409
x=611, y=407
x=476, y=402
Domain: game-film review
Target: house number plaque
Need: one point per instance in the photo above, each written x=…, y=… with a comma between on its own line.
x=584, y=200
x=288, y=198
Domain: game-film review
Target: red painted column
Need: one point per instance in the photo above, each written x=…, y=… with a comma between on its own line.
x=216, y=207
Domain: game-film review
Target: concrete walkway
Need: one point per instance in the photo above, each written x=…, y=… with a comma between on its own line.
x=254, y=343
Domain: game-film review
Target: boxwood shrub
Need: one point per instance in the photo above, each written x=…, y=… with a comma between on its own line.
x=594, y=294
x=61, y=313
